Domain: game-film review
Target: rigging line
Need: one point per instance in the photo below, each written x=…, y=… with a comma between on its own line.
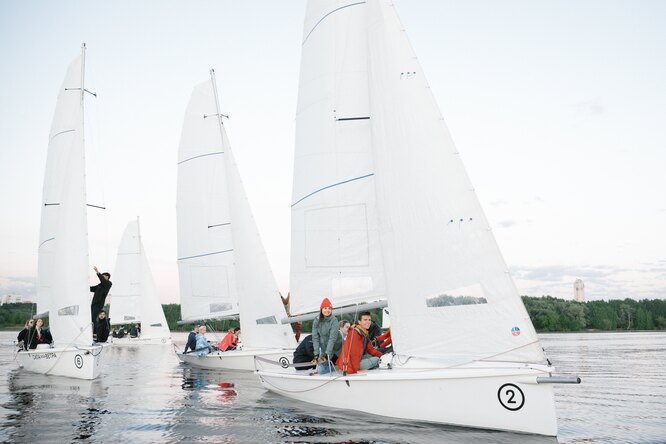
x=219, y=225
x=201, y=155
x=322, y=19
x=96, y=206
x=331, y=186
x=50, y=204
x=45, y=242
x=206, y=254
x=79, y=89
x=61, y=132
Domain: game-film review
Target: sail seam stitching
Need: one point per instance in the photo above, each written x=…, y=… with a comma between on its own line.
x=331, y=186
x=201, y=155
x=207, y=254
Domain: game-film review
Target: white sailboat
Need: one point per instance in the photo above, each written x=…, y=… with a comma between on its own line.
x=226, y=260
x=63, y=269
x=383, y=213
x=134, y=296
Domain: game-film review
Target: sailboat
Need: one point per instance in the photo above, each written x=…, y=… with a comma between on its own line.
x=222, y=264
x=384, y=214
x=134, y=298
x=63, y=268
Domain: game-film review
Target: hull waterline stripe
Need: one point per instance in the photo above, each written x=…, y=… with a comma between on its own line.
x=201, y=155
x=202, y=255
x=322, y=19
x=331, y=186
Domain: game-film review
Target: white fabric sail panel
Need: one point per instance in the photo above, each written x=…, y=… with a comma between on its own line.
x=63, y=269
x=260, y=306
x=153, y=320
x=205, y=247
x=127, y=283
x=438, y=246
x=335, y=242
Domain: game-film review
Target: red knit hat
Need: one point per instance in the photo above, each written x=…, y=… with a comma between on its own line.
x=326, y=303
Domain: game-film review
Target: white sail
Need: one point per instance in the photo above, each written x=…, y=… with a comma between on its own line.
x=450, y=293
x=205, y=247
x=63, y=269
x=335, y=241
x=134, y=297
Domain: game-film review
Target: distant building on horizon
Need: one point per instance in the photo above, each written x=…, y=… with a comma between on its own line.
x=579, y=290
x=13, y=299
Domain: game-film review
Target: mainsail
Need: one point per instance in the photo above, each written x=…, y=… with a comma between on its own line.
x=205, y=246
x=383, y=207
x=335, y=248
x=63, y=269
x=134, y=297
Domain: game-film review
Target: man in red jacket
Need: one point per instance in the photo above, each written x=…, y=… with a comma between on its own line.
x=358, y=355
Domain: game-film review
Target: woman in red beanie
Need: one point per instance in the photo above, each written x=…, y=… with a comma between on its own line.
x=326, y=338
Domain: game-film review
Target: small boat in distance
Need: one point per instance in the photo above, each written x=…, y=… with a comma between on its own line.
x=223, y=268
x=134, y=297
x=384, y=214
x=63, y=269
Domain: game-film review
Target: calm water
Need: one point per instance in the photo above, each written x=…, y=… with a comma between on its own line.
x=146, y=395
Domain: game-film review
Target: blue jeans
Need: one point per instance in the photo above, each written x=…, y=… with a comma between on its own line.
x=324, y=368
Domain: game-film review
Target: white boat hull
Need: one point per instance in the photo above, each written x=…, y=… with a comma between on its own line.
x=127, y=341
x=71, y=362
x=236, y=359
x=498, y=399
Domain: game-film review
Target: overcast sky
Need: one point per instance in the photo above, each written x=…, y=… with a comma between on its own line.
x=557, y=108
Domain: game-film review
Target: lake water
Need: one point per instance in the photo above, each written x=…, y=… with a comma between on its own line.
x=147, y=396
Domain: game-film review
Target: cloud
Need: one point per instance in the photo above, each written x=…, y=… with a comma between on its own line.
x=593, y=106
x=498, y=202
x=22, y=286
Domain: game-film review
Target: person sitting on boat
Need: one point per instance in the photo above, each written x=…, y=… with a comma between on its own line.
x=203, y=348
x=39, y=335
x=102, y=327
x=191, y=344
x=100, y=291
x=135, y=331
x=23, y=337
x=230, y=341
x=358, y=354
x=304, y=353
x=326, y=338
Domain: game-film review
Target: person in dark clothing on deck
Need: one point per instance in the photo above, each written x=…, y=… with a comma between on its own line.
x=304, y=353
x=192, y=340
x=102, y=328
x=101, y=290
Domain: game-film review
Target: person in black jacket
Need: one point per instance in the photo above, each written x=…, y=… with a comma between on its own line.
x=100, y=290
x=39, y=335
x=192, y=340
x=24, y=335
x=102, y=328
x=304, y=353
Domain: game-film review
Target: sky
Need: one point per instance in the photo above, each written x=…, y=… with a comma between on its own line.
x=557, y=108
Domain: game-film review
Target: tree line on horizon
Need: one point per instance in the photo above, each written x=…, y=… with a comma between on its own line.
x=548, y=314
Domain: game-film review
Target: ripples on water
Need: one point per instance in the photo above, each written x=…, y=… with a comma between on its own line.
x=146, y=395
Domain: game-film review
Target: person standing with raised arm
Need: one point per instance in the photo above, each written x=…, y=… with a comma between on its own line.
x=100, y=291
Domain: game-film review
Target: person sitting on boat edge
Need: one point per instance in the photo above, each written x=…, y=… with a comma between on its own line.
x=304, y=353
x=203, y=348
x=135, y=331
x=230, y=341
x=191, y=344
x=39, y=335
x=101, y=328
x=358, y=354
x=100, y=291
x=23, y=337
x=326, y=338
